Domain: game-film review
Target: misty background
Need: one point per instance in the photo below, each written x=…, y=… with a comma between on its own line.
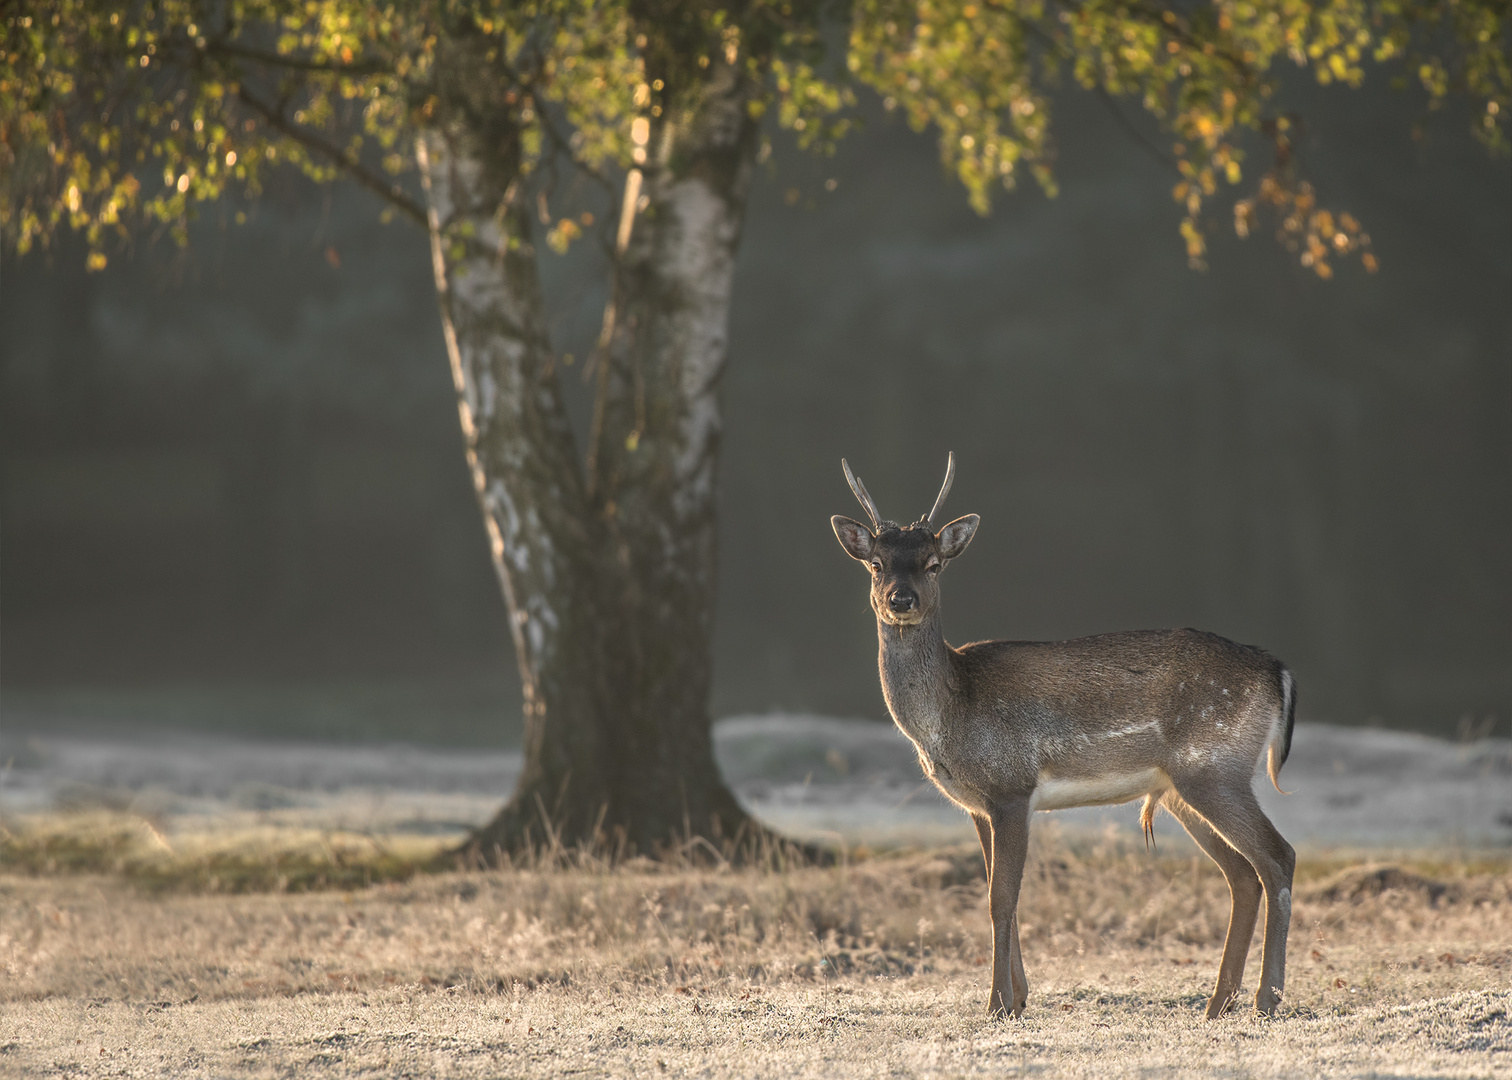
x=233, y=495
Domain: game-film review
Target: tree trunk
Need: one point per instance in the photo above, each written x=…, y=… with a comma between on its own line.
x=608, y=574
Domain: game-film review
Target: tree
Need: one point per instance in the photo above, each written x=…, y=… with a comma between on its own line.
x=504, y=127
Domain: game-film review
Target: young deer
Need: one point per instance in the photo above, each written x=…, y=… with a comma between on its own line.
x=1003, y=728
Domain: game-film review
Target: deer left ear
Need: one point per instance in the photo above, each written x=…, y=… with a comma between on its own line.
x=956, y=535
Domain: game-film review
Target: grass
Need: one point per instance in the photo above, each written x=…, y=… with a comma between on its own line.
x=134, y=850
x=570, y=967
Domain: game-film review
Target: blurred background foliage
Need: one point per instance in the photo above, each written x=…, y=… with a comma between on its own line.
x=232, y=491
x=111, y=112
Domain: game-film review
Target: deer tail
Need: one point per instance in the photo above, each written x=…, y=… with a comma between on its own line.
x=1279, y=747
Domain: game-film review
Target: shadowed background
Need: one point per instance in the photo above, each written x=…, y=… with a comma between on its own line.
x=233, y=494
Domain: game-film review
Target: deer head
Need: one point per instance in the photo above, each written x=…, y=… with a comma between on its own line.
x=905, y=560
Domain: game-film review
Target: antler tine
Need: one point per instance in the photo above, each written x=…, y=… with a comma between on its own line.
x=861, y=493
x=944, y=490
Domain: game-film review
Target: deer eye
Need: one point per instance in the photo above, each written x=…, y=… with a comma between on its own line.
x=876, y=565
x=932, y=568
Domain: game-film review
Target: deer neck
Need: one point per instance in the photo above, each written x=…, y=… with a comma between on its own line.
x=915, y=665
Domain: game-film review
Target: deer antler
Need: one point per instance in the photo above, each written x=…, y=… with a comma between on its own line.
x=944, y=490
x=861, y=493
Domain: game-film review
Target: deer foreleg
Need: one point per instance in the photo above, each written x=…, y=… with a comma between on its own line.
x=1016, y=969
x=1010, y=846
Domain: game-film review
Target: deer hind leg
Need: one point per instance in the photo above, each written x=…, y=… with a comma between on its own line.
x=1244, y=892
x=1232, y=811
x=1010, y=845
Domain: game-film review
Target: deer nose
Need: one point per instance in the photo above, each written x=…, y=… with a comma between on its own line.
x=901, y=601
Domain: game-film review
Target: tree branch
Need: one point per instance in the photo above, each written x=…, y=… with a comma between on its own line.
x=1134, y=133
x=1178, y=30
x=561, y=143
x=390, y=192
x=297, y=63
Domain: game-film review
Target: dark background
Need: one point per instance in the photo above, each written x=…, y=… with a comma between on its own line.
x=233, y=495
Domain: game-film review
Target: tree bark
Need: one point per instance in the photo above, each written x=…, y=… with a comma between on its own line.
x=608, y=574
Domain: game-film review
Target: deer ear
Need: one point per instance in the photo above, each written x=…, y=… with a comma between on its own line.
x=956, y=535
x=855, y=538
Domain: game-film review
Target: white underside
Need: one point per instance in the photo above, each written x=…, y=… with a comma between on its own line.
x=1062, y=793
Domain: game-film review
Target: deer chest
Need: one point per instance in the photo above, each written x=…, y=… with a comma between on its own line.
x=944, y=778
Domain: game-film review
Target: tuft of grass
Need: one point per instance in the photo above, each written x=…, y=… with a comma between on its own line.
x=135, y=850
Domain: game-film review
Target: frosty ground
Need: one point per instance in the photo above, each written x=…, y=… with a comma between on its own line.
x=1400, y=960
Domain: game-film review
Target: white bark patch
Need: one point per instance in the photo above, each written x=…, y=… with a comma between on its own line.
x=700, y=258
x=508, y=517
x=488, y=393
x=541, y=626
x=520, y=535
x=536, y=529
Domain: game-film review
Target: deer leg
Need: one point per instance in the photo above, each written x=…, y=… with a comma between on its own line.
x=1019, y=981
x=1234, y=813
x=1244, y=893
x=984, y=834
x=1010, y=846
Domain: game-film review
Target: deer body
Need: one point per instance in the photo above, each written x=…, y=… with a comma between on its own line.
x=1074, y=723
x=1003, y=728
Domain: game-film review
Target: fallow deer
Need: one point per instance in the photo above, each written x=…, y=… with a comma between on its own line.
x=1003, y=728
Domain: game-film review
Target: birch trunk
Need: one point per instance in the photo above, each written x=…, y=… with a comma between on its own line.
x=608, y=575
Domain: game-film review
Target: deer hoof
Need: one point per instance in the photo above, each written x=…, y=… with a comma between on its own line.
x=1219, y=1004
x=997, y=1008
x=1266, y=1001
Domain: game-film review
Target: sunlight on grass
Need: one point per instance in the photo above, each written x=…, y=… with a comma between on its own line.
x=329, y=954
x=268, y=859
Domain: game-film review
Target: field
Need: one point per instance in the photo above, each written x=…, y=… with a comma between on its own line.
x=873, y=967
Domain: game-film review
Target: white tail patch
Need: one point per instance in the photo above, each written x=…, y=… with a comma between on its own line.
x=1275, y=742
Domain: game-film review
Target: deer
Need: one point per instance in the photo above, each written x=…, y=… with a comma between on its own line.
x=1183, y=718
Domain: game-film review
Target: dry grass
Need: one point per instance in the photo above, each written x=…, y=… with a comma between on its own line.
x=873, y=967
x=134, y=850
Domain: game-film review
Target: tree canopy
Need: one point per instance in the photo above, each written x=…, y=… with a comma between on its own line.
x=114, y=116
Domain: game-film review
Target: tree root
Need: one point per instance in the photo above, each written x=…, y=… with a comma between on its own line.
x=524, y=834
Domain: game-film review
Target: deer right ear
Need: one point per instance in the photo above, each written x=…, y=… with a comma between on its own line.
x=854, y=537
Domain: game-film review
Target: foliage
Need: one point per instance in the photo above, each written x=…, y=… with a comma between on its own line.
x=979, y=72
x=113, y=115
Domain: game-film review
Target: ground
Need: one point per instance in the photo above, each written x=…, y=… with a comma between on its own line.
x=873, y=967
